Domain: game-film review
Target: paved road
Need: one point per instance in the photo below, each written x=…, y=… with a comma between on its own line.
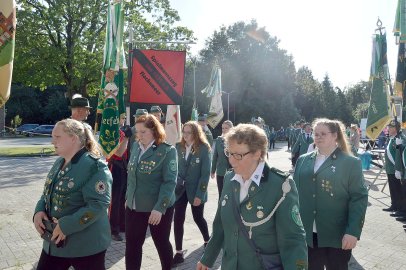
x=382, y=245
x=24, y=141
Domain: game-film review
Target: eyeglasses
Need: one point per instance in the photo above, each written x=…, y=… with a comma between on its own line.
x=235, y=155
x=321, y=135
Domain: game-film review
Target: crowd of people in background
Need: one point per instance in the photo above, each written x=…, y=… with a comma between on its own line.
x=310, y=218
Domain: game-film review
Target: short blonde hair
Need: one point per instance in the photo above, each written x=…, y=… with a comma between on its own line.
x=251, y=135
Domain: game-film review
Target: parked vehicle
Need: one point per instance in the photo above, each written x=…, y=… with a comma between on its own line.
x=25, y=128
x=41, y=130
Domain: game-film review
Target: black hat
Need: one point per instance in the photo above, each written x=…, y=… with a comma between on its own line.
x=80, y=102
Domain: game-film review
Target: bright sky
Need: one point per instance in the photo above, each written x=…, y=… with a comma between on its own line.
x=333, y=37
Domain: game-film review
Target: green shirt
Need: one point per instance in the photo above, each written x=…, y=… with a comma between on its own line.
x=283, y=234
x=197, y=173
x=78, y=196
x=220, y=162
x=335, y=197
x=151, y=178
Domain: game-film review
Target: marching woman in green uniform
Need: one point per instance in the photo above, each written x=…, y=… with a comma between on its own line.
x=152, y=172
x=194, y=174
x=71, y=215
x=220, y=163
x=333, y=197
x=257, y=223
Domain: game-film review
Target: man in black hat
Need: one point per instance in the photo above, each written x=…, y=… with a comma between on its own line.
x=80, y=109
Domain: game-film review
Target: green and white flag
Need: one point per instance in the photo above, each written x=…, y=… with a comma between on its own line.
x=195, y=114
x=379, y=112
x=213, y=91
x=111, y=94
x=399, y=28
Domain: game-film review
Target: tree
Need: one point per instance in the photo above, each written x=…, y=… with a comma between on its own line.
x=261, y=74
x=61, y=42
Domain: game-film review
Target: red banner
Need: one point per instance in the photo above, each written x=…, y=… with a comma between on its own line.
x=157, y=76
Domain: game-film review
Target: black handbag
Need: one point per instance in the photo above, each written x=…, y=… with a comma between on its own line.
x=47, y=235
x=180, y=181
x=267, y=261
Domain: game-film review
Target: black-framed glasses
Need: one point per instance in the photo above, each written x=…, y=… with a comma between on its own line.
x=235, y=155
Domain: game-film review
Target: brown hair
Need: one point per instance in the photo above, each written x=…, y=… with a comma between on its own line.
x=73, y=127
x=198, y=136
x=153, y=124
x=251, y=135
x=335, y=126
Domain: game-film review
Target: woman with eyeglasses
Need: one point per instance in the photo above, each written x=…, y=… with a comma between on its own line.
x=194, y=174
x=333, y=197
x=220, y=163
x=258, y=210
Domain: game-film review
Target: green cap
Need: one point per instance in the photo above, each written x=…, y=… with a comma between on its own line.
x=202, y=117
x=140, y=112
x=155, y=109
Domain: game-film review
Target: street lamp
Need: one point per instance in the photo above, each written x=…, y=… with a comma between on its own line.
x=228, y=102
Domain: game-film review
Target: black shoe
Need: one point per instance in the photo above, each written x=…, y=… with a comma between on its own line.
x=117, y=237
x=401, y=219
x=398, y=214
x=178, y=259
x=389, y=209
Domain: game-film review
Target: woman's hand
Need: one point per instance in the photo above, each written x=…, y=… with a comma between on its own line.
x=349, y=241
x=57, y=235
x=155, y=217
x=39, y=226
x=197, y=201
x=201, y=266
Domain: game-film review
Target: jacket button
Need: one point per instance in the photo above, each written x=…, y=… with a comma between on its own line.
x=314, y=212
x=235, y=233
x=314, y=179
x=314, y=195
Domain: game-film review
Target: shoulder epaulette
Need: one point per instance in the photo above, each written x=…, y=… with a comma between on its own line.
x=279, y=172
x=93, y=156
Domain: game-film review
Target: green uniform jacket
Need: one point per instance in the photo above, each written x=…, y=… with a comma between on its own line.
x=390, y=158
x=302, y=144
x=294, y=135
x=283, y=233
x=151, y=181
x=335, y=197
x=220, y=162
x=197, y=175
x=78, y=197
x=209, y=136
x=399, y=161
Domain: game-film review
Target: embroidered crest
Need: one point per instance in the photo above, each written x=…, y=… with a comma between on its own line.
x=100, y=187
x=173, y=165
x=88, y=216
x=296, y=216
